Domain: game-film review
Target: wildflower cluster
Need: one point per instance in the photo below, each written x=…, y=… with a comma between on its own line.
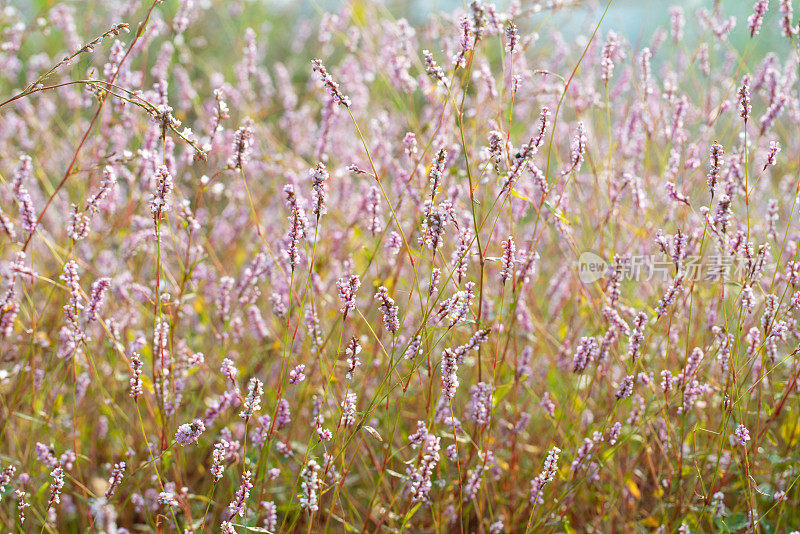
x=266, y=270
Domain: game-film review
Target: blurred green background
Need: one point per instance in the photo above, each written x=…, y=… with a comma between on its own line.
x=283, y=26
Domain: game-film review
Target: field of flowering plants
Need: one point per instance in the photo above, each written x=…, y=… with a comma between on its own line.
x=267, y=268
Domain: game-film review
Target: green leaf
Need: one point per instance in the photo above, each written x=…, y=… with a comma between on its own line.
x=501, y=391
x=410, y=513
x=732, y=523
x=372, y=432
x=397, y=475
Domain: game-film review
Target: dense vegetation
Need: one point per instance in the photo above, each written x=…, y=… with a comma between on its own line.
x=272, y=271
